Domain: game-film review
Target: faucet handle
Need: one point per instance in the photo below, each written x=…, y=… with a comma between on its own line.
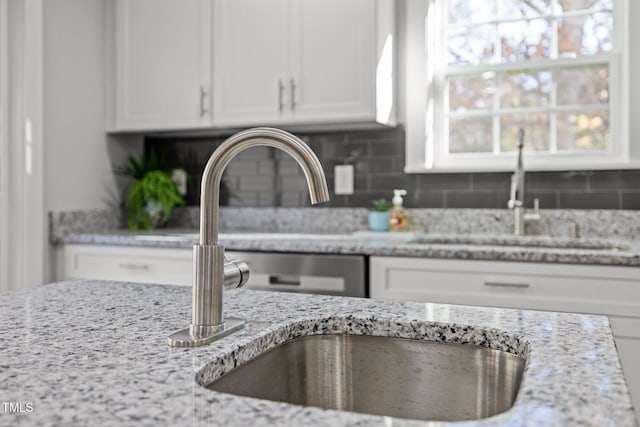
x=512, y=204
x=236, y=274
x=535, y=215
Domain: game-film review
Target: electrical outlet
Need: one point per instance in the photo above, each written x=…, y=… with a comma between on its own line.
x=179, y=176
x=343, y=184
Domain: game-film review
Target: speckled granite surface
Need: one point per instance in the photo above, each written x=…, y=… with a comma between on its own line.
x=608, y=224
x=478, y=247
x=95, y=353
x=63, y=223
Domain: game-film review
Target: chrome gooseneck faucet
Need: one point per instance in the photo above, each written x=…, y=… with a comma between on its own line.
x=516, y=201
x=517, y=179
x=212, y=272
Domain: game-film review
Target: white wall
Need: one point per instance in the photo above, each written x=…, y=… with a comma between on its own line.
x=78, y=154
x=634, y=83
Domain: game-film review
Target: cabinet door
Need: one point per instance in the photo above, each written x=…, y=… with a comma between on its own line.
x=333, y=60
x=162, y=56
x=249, y=61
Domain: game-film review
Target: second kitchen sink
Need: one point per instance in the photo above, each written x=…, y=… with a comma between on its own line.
x=387, y=376
x=523, y=241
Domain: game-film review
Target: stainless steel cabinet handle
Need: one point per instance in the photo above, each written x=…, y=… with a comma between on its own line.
x=292, y=84
x=203, y=105
x=133, y=266
x=280, y=90
x=284, y=279
x=507, y=285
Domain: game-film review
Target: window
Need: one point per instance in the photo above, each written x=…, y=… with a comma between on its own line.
x=555, y=68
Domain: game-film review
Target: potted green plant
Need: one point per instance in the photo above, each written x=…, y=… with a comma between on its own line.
x=379, y=215
x=152, y=195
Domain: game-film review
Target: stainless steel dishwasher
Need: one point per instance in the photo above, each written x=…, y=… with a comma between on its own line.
x=307, y=273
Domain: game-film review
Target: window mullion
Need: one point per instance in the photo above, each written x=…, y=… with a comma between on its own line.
x=554, y=32
x=553, y=101
x=548, y=16
x=538, y=65
x=553, y=115
x=497, y=58
x=526, y=110
x=495, y=121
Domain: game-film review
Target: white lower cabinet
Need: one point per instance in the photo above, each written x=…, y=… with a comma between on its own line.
x=608, y=290
x=128, y=264
x=309, y=273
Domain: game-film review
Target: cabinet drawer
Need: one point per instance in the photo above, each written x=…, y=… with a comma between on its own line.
x=557, y=287
x=131, y=264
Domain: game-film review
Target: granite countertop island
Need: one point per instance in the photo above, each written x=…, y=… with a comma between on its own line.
x=96, y=353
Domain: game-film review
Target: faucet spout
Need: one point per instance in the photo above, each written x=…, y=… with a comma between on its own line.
x=517, y=179
x=210, y=188
x=516, y=202
x=212, y=272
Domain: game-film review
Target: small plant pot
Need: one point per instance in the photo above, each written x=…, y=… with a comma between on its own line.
x=379, y=221
x=157, y=217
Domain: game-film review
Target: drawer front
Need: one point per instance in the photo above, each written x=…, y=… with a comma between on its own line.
x=572, y=288
x=121, y=263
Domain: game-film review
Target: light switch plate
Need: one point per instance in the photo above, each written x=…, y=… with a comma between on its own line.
x=343, y=180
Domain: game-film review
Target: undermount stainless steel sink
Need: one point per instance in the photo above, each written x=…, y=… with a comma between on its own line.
x=526, y=241
x=395, y=377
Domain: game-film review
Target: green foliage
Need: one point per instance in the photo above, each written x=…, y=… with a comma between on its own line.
x=381, y=205
x=138, y=168
x=152, y=195
x=154, y=188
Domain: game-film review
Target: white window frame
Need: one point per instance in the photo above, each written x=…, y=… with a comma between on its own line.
x=4, y=148
x=424, y=113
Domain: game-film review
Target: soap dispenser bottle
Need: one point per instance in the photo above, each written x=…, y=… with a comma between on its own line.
x=398, y=215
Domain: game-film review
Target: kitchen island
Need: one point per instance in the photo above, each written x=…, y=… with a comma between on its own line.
x=95, y=353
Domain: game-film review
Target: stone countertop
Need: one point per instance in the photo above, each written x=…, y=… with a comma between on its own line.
x=493, y=247
x=96, y=353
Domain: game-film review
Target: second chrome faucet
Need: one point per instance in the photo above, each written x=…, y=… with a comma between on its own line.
x=516, y=202
x=212, y=272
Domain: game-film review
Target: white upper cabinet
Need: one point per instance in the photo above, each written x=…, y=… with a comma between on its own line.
x=249, y=61
x=161, y=61
x=302, y=61
x=189, y=64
